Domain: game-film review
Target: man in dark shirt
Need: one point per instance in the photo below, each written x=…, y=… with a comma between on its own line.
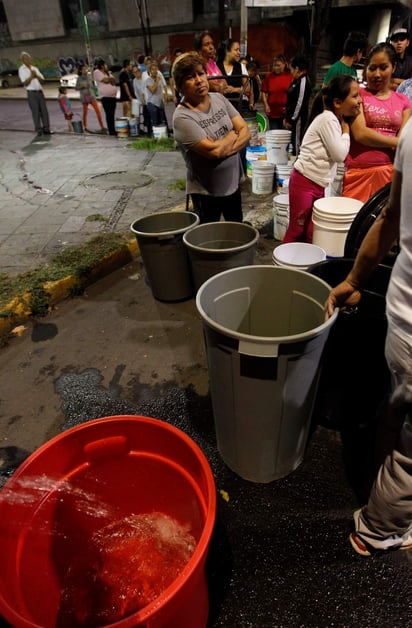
x=403, y=70
x=126, y=90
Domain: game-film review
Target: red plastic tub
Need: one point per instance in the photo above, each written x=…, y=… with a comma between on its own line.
x=102, y=471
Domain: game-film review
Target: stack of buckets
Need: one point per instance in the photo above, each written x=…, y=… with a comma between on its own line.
x=282, y=176
x=280, y=215
x=126, y=126
x=332, y=218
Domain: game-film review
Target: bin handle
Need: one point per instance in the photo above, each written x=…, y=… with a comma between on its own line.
x=247, y=347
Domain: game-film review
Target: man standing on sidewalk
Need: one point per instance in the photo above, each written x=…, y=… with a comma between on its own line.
x=32, y=78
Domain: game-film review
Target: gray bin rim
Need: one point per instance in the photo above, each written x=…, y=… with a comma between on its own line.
x=262, y=346
x=171, y=232
x=226, y=223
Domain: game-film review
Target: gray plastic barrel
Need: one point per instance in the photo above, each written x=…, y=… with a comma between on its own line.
x=217, y=246
x=264, y=334
x=160, y=239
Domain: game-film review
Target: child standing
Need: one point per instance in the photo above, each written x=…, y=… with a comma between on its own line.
x=87, y=97
x=324, y=145
x=66, y=107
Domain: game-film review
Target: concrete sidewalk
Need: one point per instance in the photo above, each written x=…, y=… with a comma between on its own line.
x=61, y=190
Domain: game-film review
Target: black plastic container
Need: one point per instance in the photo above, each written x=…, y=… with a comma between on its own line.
x=354, y=380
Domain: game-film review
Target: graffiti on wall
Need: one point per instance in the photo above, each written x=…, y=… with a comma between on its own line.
x=54, y=68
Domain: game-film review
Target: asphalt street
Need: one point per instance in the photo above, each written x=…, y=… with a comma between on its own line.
x=279, y=555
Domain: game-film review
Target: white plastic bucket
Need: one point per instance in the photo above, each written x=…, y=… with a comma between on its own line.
x=282, y=177
x=159, y=131
x=280, y=216
x=122, y=128
x=253, y=130
x=254, y=153
x=262, y=177
x=132, y=126
x=332, y=218
x=277, y=143
x=299, y=255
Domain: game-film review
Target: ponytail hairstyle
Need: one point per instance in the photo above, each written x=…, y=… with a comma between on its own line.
x=338, y=87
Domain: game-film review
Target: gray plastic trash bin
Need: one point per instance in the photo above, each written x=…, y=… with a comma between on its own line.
x=264, y=333
x=217, y=246
x=160, y=239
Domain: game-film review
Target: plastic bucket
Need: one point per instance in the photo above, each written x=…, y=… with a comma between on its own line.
x=280, y=216
x=263, y=174
x=264, y=333
x=254, y=153
x=77, y=126
x=97, y=474
x=354, y=353
x=133, y=130
x=160, y=131
x=332, y=217
x=253, y=129
x=277, y=143
x=122, y=128
x=298, y=255
x=166, y=259
x=217, y=246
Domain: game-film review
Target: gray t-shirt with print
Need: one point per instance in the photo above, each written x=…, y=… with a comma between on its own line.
x=216, y=177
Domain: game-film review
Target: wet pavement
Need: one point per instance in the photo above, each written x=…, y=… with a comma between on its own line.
x=279, y=555
x=61, y=190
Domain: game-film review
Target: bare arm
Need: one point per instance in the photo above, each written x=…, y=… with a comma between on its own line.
x=364, y=135
x=153, y=88
x=108, y=78
x=228, y=145
x=374, y=247
x=265, y=102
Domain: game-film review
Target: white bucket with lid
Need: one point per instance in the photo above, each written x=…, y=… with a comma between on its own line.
x=277, y=143
x=280, y=215
x=299, y=255
x=332, y=218
x=263, y=174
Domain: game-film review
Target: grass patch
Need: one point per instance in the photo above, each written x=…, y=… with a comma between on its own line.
x=74, y=261
x=162, y=144
x=179, y=184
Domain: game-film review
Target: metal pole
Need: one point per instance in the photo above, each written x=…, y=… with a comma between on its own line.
x=86, y=35
x=243, y=28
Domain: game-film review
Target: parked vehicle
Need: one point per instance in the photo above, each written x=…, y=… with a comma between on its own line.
x=9, y=78
x=70, y=80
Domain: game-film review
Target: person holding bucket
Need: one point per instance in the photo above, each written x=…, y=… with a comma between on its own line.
x=324, y=145
x=210, y=133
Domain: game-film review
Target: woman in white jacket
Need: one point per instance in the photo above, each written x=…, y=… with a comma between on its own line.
x=324, y=145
